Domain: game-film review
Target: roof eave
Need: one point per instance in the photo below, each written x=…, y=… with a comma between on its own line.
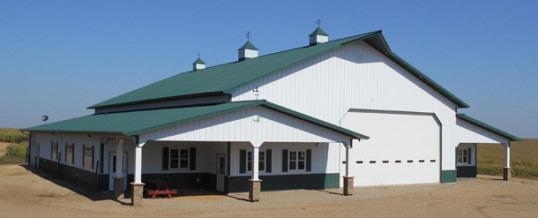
x=78, y=132
x=177, y=97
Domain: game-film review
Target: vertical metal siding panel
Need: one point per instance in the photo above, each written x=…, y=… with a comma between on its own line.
x=374, y=82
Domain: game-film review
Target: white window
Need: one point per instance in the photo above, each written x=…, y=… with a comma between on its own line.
x=179, y=158
x=88, y=153
x=174, y=158
x=464, y=156
x=184, y=161
x=261, y=161
x=69, y=153
x=54, y=150
x=297, y=160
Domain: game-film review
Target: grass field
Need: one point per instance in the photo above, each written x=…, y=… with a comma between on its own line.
x=524, y=159
x=13, y=146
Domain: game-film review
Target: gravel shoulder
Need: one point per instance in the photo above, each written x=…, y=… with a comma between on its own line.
x=24, y=193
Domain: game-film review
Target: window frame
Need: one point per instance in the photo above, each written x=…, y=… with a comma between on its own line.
x=293, y=164
x=182, y=162
x=463, y=157
x=261, y=163
x=69, y=153
x=54, y=150
x=88, y=156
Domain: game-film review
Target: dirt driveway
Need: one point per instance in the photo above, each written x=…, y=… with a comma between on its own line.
x=27, y=194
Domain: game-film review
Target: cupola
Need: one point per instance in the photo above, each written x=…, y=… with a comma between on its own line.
x=198, y=64
x=248, y=51
x=318, y=36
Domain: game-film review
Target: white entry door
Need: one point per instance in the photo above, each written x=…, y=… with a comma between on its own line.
x=221, y=171
x=112, y=170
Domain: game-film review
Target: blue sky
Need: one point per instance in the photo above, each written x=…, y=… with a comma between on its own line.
x=58, y=57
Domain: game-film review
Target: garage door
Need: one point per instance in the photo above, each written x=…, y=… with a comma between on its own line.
x=404, y=148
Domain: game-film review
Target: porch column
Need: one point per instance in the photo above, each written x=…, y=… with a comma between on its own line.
x=348, y=180
x=255, y=183
x=118, y=176
x=137, y=186
x=506, y=171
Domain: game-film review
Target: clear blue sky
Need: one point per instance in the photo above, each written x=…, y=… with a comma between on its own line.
x=58, y=57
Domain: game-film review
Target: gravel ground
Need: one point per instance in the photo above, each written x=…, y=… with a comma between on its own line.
x=24, y=193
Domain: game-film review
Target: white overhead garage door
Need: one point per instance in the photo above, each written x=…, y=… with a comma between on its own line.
x=404, y=148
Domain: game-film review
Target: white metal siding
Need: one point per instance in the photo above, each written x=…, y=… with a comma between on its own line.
x=243, y=126
x=354, y=76
x=44, y=139
x=206, y=153
x=469, y=133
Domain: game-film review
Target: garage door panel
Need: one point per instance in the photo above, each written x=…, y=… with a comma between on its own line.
x=394, y=137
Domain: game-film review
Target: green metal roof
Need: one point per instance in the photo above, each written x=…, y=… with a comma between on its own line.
x=223, y=79
x=136, y=122
x=319, y=31
x=488, y=127
x=248, y=45
x=199, y=61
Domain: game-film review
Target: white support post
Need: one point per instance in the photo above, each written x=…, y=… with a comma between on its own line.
x=137, y=186
x=507, y=155
x=255, y=163
x=119, y=159
x=138, y=164
x=254, y=183
x=507, y=173
x=348, y=180
x=347, y=161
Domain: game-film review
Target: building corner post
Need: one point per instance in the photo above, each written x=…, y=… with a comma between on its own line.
x=507, y=174
x=137, y=187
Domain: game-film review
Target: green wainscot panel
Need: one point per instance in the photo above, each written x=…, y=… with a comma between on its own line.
x=448, y=176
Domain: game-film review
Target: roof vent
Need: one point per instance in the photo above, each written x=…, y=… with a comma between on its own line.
x=318, y=36
x=198, y=64
x=248, y=50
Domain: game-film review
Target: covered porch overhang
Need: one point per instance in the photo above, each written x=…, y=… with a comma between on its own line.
x=258, y=126
x=253, y=122
x=471, y=132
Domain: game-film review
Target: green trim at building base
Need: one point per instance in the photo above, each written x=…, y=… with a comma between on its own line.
x=448, y=176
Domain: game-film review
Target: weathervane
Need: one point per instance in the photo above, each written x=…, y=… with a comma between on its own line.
x=248, y=35
x=318, y=22
x=256, y=92
x=198, y=54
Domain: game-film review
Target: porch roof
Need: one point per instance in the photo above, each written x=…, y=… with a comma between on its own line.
x=488, y=127
x=136, y=122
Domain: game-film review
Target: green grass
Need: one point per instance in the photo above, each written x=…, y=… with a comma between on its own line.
x=523, y=163
x=12, y=135
x=17, y=150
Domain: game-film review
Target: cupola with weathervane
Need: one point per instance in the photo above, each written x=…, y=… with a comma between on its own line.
x=318, y=36
x=248, y=50
x=198, y=64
